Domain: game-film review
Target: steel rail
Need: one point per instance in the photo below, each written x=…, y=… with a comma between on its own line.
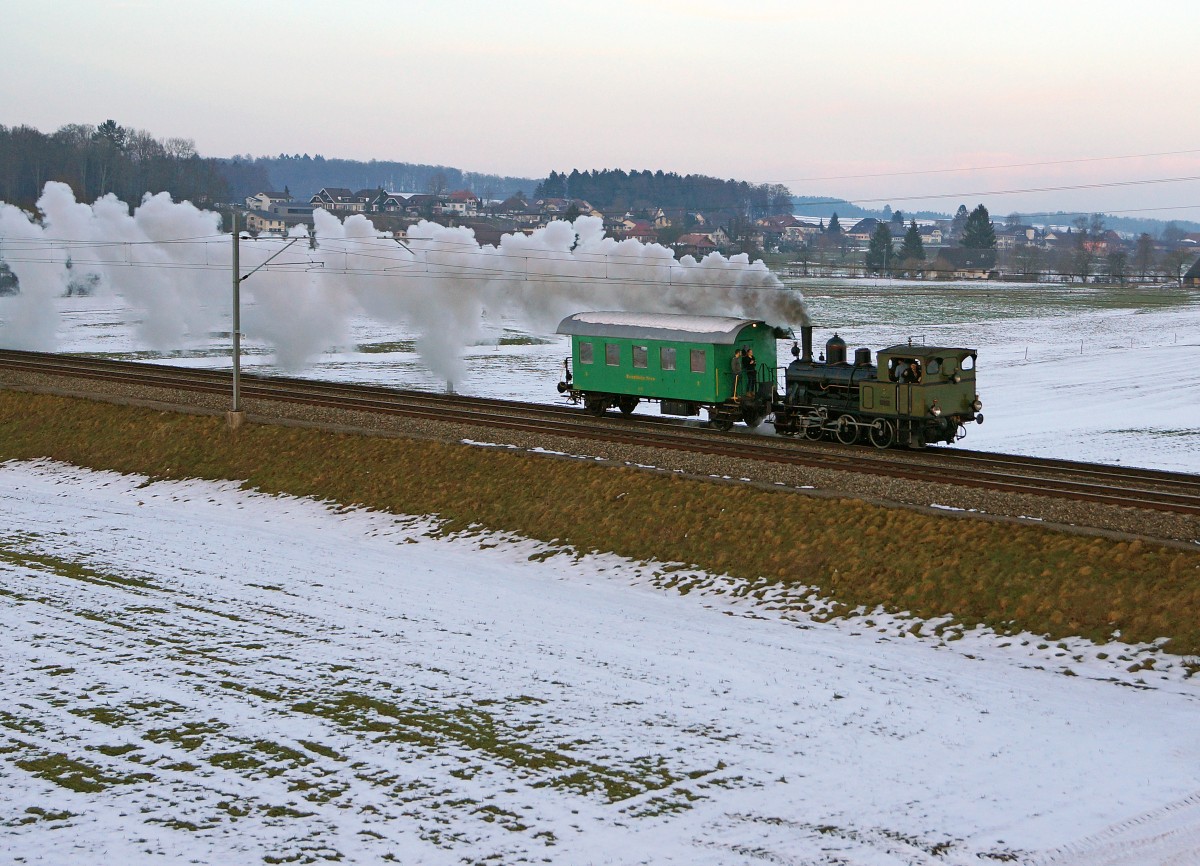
x=1136, y=488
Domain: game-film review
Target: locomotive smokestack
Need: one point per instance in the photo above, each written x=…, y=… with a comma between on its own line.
x=806, y=343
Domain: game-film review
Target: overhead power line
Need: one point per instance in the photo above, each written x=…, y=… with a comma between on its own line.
x=987, y=167
x=1063, y=188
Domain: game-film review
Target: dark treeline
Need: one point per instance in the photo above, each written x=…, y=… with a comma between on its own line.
x=304, y=175
x=109, y=158
x=614, y=190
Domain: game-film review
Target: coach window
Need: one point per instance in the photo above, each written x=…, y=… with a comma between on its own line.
x=585, y=353
x=639, y=356
x=666, y=357
x=697, y=360
x=612, y=354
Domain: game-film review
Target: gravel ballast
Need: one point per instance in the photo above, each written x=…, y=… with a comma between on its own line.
x=950, y=500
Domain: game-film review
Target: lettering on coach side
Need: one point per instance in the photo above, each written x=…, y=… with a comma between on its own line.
x=641, y=378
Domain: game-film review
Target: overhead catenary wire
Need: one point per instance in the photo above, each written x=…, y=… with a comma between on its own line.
x=1075, y=161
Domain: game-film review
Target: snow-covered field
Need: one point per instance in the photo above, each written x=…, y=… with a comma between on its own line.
x=184, y=682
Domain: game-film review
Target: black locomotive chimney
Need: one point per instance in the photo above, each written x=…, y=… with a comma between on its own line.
x=806, y=341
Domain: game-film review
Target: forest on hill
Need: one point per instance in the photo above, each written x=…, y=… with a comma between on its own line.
x=110, y=158
x=303, y=175
x=616, y=191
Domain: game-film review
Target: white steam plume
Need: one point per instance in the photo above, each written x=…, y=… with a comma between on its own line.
x=172, y=264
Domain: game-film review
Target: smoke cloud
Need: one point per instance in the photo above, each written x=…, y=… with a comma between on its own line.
x=173, y=266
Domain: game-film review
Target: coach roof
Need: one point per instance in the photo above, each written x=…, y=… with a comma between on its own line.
x=676, y=327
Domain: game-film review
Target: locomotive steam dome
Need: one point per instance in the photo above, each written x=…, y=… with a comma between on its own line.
x=835, y=350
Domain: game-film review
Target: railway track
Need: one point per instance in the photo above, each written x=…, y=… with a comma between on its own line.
x=1110, y=485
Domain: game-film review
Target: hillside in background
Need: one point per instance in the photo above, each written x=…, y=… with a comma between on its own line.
x=823, y=206
x=304, y=175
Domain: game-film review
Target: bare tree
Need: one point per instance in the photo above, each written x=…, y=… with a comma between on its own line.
x=1083, y=257
x=1174, y=263
x=180, y=148
x=1028, y=259
x=1143, y=256
x=437, y=184
x=1117, y=261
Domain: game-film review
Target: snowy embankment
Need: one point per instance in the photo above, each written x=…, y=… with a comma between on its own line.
x=196, y=673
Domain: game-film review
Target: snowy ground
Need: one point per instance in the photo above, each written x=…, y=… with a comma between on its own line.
x=1095, y=374
x=184, y=683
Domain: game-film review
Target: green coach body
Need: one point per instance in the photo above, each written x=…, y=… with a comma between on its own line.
x=666, y=357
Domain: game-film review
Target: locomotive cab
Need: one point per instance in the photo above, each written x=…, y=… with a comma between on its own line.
x=929, y=390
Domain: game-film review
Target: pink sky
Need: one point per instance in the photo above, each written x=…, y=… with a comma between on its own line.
x=770, y=91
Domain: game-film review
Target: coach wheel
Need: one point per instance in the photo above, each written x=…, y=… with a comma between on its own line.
x=846, y=430
x=627, y=404
x=595, y=405
x=753, y=417
x=882, y=433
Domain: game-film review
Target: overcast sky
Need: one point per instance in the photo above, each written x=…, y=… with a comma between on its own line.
x=790, y=92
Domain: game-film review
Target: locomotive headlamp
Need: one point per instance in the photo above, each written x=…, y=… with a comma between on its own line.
x=956, y=378
x=977, y=405
x=935, y=409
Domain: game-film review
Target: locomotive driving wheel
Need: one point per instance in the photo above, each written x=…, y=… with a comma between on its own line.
x=882, y=433
x=846, y=430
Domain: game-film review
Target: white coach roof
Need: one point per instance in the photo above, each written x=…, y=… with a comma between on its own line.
x=657, y=326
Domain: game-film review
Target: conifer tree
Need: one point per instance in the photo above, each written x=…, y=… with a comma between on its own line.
x=913, y=248
x=979, y=233
x=959, y=221
x=879, y=252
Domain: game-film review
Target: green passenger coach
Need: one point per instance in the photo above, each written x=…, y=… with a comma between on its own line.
x=685, y=363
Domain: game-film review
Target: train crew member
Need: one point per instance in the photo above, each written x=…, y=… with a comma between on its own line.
x=751, y=371
x=912, y=374
x=736, y=366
